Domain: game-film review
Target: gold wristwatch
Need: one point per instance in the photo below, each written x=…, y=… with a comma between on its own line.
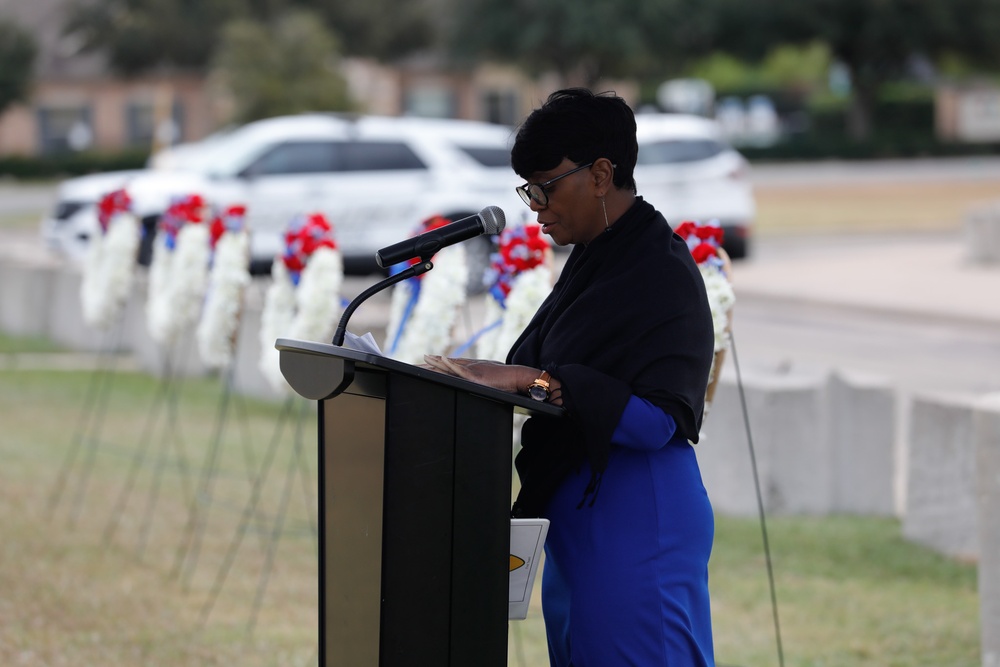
x=539, y=389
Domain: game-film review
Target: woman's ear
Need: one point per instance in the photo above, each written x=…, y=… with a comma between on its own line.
x=603, y=173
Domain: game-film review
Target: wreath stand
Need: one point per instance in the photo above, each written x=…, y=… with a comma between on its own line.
x=90, y=424
x=166, y=397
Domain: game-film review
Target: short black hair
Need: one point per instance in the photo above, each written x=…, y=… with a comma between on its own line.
x=582, y=126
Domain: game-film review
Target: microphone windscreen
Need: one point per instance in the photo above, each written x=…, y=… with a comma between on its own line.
x=493, y=219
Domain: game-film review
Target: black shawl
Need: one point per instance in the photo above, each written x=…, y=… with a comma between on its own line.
x=628, y=315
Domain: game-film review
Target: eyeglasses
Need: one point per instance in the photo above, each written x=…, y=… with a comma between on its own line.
x=535, y=192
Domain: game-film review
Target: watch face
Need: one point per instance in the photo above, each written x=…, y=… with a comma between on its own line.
x=538, y=393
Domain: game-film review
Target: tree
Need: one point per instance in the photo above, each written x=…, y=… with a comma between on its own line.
x=583, y=40
x=296, y=71
x=786, y=67
x=17, y=58
x=382, y=29
x=141, y=35
x=876, y=40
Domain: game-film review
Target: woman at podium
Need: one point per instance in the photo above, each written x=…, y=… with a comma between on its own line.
x=624, y=343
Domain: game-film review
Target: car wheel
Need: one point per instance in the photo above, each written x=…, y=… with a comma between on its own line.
x=735, y=244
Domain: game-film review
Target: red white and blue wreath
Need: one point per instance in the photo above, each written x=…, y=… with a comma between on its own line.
x=705, y=243
x=110, y=263
x=303, y=300
x=228, y=279
x=519, y=278
x=178, y=272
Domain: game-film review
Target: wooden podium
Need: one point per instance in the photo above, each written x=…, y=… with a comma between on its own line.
x=414, y=505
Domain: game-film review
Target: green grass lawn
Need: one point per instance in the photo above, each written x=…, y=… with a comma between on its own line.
x=850, y=590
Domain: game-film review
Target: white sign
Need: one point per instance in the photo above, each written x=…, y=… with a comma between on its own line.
x=978, y=116
x=526, y=539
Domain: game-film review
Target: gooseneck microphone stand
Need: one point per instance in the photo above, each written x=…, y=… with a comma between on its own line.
x=420, y=268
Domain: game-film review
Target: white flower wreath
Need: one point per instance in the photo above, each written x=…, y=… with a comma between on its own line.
x=721, y=299
x=425, y=326
x=307, y=312
x=109, y=269
x=528, y=291
x=318, y=296
x=227, y=282
x=177, y=282
x=276, y=322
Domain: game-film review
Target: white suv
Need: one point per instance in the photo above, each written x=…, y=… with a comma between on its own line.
x=375, y=178
x=688, y=171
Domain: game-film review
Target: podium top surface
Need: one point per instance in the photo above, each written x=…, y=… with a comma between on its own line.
x=521, y=404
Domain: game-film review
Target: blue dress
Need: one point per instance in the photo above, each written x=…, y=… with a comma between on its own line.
x=625, y=581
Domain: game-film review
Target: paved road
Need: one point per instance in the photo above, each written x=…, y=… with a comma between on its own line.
x=26, y=198
x=916, y=354
x=910, y=307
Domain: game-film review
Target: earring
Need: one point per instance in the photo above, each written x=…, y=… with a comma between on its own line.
x=607, y=225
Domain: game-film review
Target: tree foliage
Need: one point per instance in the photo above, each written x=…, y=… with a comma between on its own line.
x=284, y=68
x=382, y=29
x=141, y=35
x=17, y=58
x=788, y=67
x=876, y=40
x=583, y=40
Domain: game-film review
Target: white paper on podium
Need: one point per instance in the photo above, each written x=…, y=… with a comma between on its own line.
x=364, y=343
x=526, y=539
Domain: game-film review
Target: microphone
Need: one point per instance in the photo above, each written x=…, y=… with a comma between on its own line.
x=489, y=221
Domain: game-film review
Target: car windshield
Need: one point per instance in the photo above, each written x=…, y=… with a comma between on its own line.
x=678, y=150
x=229, y=156
x=488, y=156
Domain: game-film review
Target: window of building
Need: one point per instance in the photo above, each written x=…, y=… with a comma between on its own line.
x=64, y=129
x=430, y=102
x=500, y=106
x=142, y=128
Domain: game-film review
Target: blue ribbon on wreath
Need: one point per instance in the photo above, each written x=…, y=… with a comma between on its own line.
x=411, y=303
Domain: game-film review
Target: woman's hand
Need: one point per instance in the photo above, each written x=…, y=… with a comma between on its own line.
x=498, y=375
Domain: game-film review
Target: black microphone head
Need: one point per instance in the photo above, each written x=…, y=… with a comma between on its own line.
x=493, y=219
